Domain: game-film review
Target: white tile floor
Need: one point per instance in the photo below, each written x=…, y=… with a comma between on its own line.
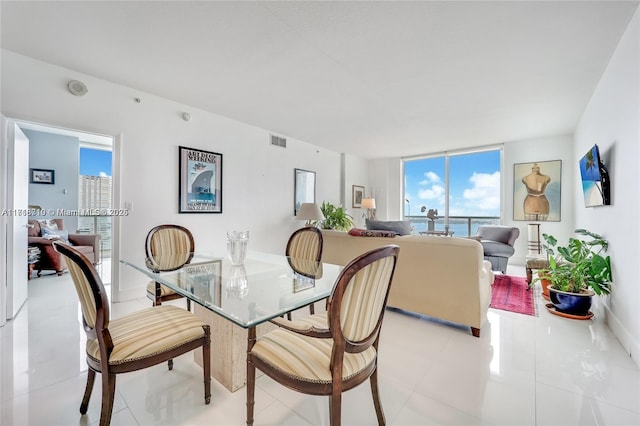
x=524, y=370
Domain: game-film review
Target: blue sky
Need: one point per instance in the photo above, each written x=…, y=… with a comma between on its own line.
x=474, y=185
x=95, y=162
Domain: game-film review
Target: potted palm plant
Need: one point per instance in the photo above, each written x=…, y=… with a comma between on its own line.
x=335, y=217
x=577, y=272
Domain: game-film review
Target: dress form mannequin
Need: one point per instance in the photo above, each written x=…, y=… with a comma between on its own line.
x=536, y=205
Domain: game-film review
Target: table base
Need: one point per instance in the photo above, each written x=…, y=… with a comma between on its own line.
x=228, y=348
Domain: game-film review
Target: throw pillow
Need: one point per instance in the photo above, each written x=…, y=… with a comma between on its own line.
x=48, y=224
x=367, y=233
x=55, y=234
x=400, y=227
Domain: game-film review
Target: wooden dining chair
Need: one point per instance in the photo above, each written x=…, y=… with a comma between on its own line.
x=133, y=342
x=304, y=244
x=167, y=248
x=332, y=352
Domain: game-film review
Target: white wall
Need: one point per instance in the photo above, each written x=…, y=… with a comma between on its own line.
x=61, y=154
x=532, y=150
x=257, y=178
x=356, y=173
x=612, y=121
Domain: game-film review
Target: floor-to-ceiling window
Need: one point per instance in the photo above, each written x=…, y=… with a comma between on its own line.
x=453, y=192
x=95, y=195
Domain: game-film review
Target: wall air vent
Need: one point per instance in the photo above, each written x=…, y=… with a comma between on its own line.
x=278, y=141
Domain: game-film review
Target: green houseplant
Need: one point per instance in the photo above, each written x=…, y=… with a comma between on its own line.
x=577, y=271
x=335, y=217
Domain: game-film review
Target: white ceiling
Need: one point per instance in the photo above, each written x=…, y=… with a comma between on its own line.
x=375, y=79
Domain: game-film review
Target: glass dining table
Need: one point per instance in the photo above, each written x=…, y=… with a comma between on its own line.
x=239, y=301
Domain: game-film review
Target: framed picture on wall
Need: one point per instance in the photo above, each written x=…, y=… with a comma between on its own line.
x=200, y=181
x=304, y=188
x=357, y=194
x=42, y=176
x=536, y=191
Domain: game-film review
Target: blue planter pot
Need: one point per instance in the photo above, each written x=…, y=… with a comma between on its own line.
x=571, y=303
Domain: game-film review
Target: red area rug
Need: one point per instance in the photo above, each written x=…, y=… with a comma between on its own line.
x=510, y=293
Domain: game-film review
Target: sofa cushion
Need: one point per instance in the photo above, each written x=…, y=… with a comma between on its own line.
x=356, y=232
x=400, y=227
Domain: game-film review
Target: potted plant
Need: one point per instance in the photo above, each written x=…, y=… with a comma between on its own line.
x=335, y=217
x=577, y=271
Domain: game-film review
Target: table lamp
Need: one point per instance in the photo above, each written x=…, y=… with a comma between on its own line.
x=309, y=212
x=370, y=205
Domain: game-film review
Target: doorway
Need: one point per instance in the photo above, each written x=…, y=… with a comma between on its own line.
x=74, y=192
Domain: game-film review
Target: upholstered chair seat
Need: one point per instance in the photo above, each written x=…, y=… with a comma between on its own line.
x=283, y=350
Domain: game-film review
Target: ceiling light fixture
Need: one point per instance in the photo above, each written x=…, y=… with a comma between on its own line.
x=77, y=88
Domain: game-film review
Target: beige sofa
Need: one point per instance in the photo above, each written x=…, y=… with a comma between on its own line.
x=442, y=277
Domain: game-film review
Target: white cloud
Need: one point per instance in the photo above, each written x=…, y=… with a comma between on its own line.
x=103, y=174
x=431, y=177
x=433, y=193
x=485, y=192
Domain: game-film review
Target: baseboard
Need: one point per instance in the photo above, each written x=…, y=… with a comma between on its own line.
x=630, y=345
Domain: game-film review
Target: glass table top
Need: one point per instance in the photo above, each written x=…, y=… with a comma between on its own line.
x=265, y=287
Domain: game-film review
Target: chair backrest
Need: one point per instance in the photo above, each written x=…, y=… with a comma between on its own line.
x=90, y=290
x=305, y=243
x=304, y=251
x=501, y=234
x=358, y=301
x=169, y=247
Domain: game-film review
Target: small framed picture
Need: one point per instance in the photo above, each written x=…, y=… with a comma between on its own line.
x=357, y=194
x=200, y=181
x=42, y=176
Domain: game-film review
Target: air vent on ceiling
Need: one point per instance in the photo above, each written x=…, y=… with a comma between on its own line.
x=278, y=141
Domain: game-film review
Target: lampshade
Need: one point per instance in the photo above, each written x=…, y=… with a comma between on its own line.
x=309, y=211
x=368, y=203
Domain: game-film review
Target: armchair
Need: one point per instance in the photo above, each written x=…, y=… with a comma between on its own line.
x=87, y=244
x=497, y=243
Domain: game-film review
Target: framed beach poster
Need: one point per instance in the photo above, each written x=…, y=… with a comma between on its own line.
x=200, y=181
x=304, y=188
x=536, y=191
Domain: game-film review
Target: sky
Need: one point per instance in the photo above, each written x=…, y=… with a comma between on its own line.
x=474, y=185
x=95, y=162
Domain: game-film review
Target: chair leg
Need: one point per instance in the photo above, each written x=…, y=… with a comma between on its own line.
x=91, y=377
x=376, y=397
x=251, y=386
x=206, y=366
x=188, y=304
x=170, y=364
x=108, y=394
x=312, y=308
x=335, y=409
